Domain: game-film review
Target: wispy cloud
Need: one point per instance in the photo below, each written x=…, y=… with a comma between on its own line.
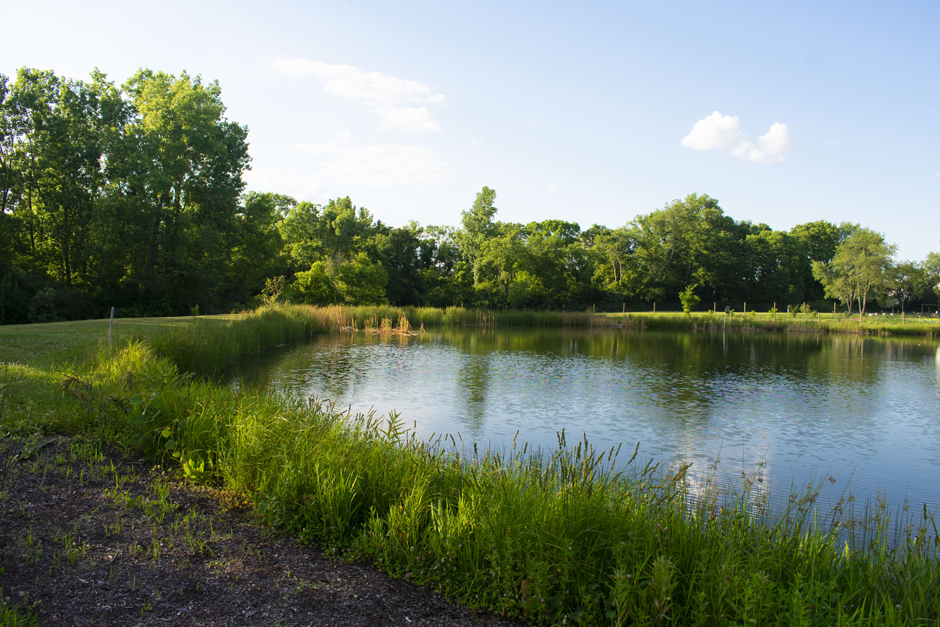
x=724, y=132
x=274, y=179
x=382, y=94
x=382, y=165
x=412, y=119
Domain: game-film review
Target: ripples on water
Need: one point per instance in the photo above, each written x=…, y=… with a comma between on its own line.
x=865, y=411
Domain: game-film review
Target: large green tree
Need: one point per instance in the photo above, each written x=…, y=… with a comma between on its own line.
x=859, y=267
x=688, y=241
x=183, y=166
x=478, y=226
x=776, y=265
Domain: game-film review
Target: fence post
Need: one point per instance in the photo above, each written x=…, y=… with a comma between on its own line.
x=110, y=329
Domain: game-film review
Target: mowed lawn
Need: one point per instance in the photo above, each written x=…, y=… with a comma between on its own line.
x=61, y=344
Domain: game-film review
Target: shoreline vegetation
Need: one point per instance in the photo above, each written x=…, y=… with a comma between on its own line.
x=563, y=538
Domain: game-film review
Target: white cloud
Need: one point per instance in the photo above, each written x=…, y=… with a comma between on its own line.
x=715, y=131
x=411, y=119
x=771, y=147
x=382, y=165
x=299, y=67
x=724, y=132
x=382, y=94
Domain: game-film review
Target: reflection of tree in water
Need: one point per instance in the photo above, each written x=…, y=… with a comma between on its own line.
x=473, y=377
x=333, y=361
x=689, y=376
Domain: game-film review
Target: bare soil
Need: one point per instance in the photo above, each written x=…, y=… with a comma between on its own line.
x=96, y=538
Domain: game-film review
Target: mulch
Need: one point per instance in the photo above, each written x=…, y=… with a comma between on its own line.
x=80, y=547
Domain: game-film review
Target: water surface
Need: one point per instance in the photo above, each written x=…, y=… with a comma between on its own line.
x=863, y=411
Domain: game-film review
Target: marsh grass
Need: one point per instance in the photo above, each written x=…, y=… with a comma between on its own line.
x=207, y=347
x=365, y=316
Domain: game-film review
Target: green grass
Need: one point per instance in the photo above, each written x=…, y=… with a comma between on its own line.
x=806, y=323
x=12, y=615
x=558, y=539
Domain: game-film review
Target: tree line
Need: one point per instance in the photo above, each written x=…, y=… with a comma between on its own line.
x=133, y=196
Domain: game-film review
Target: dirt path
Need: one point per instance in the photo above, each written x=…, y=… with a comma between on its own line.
x=92, y=539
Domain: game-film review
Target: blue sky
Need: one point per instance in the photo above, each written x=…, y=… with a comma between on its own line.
x=591, y=112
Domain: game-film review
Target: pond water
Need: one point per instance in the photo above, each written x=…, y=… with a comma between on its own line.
x=865, y=412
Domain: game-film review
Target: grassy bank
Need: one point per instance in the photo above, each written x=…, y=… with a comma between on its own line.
x=560, y=540
x=783, y=322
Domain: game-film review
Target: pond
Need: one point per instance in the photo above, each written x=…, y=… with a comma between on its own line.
x=864, y=412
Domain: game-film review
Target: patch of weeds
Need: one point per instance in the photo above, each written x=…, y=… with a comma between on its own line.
x=11, y=468
x=303, y=584
x=73, y=548
x=113, y=529
x=16, y=614
x=157, y=509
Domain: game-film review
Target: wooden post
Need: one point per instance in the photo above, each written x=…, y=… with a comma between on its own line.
x=745, y=306
x=624, y=308
x=833, y=308
x=654, y=306
x=110, y=329
x=775, y=311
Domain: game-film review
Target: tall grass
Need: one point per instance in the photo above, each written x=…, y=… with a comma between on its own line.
x=206, y=347
x=565, y=538
x=360, y=316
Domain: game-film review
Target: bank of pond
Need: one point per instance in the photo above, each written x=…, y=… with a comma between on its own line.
x=576, y=535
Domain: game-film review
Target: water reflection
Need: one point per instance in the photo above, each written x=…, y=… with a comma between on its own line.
x=861, y=409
